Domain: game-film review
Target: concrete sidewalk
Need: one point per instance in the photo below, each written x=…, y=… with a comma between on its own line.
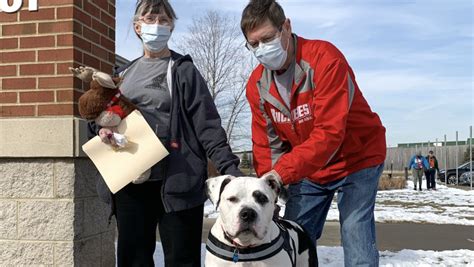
x=398, y=236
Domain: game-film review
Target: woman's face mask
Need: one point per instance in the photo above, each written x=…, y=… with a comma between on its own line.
x=154, y=36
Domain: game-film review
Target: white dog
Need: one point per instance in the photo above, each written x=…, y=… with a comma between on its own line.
x=245, y=233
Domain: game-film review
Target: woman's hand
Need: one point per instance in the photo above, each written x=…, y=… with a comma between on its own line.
x=107, y=136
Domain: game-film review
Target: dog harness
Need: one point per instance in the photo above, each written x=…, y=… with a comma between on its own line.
x=258, y=253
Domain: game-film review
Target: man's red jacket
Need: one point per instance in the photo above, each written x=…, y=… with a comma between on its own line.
x=329, y=130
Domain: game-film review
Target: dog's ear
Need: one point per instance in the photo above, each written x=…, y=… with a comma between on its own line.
x=215, y=186
x=274, y=181
x=281, y=191
x=104, y=80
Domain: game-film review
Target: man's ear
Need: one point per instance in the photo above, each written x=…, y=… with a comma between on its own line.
x=287, y=24
x=215, y=186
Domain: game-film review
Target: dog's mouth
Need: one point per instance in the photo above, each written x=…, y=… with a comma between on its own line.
x=244, y=233
x=242, y=238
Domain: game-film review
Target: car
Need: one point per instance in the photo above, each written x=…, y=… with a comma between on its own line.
x=451, y=173
x=465, y=178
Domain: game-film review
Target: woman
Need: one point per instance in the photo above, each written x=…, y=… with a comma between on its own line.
x=174, y=99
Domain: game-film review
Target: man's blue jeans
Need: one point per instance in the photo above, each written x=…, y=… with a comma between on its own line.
x=309, y=203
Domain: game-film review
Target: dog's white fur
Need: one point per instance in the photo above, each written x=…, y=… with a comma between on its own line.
x=238, y=194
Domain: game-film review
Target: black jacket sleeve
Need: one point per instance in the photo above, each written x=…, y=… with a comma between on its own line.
x=92, y=129
x=207, y=122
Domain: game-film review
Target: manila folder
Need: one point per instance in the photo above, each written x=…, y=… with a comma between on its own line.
x=120, y=167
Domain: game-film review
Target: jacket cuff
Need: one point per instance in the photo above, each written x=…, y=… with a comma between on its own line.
x=234, y=171
x=285, y=176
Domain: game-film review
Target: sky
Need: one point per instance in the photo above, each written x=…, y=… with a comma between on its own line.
x=413, y=59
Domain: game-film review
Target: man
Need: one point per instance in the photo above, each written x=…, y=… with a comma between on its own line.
x=418, y=163
x=313, y=129
x=431, y=171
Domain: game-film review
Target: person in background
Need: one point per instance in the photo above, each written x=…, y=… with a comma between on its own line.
x=174, y=99
x=313, y=130
x=418, y=163
x=431, y=171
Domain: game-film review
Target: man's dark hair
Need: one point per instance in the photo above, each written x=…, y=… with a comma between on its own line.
x=259, y=11
x=431, y=152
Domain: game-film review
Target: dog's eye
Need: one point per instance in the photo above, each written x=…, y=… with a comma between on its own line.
x=233, y=199
x=260, y=197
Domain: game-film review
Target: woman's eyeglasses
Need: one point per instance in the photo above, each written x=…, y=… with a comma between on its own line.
x=154, y=19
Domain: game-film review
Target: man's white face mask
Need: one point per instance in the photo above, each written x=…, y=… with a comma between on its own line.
x=271, y=54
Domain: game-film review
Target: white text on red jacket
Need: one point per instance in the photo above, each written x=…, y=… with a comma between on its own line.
x=300, y=114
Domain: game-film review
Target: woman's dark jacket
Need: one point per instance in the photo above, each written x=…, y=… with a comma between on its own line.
x=196, y=133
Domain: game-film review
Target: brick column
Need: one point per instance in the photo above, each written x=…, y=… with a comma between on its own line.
x=49, y=211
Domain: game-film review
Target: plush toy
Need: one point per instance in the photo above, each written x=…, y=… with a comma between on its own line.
x=104, y=103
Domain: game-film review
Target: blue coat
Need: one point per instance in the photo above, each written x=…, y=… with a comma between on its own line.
x=414, y=165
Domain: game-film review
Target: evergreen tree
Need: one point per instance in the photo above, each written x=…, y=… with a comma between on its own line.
x=466, y=154
x=244, y=162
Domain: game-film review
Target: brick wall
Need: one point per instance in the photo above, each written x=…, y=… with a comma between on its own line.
x=50, y=214
x=36, y=49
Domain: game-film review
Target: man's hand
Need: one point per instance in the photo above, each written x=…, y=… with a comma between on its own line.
x=107, y=136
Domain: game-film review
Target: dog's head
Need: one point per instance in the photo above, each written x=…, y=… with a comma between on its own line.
x=245, y=204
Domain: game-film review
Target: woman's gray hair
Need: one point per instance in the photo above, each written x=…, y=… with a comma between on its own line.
x=144, y=7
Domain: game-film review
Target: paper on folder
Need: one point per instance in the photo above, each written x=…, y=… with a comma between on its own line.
x=119, y=168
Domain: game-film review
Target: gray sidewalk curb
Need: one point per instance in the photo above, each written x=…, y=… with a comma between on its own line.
x=398, y=236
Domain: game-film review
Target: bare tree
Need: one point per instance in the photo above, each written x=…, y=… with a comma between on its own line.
x=215, y=43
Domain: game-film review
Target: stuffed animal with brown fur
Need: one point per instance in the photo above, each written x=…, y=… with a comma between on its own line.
x=104, y=104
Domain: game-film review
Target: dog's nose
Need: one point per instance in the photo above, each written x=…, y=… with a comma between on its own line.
x=248, y=215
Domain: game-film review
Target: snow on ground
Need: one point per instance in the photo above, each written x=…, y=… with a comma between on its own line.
x=333, y=256
x=443, y=206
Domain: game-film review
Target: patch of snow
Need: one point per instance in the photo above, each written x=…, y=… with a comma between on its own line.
x=444, y=206
x=333, y=256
